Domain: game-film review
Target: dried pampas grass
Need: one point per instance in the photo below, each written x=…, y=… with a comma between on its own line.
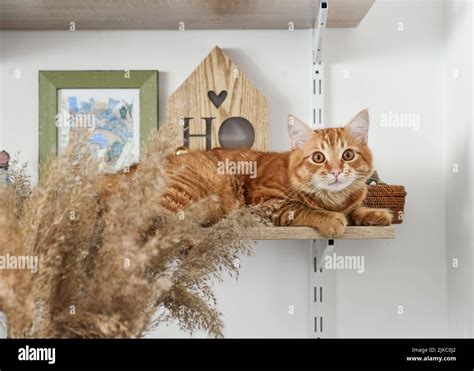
x=107, y=267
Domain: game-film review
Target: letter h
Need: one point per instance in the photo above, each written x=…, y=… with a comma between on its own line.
x=207, y=135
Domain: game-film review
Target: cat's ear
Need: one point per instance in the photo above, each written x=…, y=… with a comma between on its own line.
x=358, y=127
x=299, y=132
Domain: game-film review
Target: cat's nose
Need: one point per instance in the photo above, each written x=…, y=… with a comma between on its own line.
x=335, y=173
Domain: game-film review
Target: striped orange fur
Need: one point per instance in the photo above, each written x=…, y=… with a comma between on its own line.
x=320, y=183
x=299, y=187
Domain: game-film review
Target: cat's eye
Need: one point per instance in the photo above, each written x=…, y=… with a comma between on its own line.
x=318, y=157
x=348, y=155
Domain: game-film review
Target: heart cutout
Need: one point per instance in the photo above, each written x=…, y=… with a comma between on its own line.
x=217, y=100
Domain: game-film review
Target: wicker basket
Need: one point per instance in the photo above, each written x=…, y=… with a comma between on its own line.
x=386, y=196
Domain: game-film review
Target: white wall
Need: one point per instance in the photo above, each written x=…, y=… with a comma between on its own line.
x=458, y=103
x=399, y=72
x=389, y=70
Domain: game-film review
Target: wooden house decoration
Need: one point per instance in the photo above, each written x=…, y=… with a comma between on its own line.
x=217, y=106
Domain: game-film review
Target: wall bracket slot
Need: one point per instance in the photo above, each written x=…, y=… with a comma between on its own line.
x=322, y=281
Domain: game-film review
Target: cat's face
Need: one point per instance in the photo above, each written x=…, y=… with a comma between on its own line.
x=330, y=159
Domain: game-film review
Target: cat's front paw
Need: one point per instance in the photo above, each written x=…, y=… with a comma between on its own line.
x=374, y=217
x=332, y=226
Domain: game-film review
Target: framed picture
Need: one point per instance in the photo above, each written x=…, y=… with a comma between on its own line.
x=118, y=109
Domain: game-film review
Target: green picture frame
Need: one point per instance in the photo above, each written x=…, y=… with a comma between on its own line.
x=51, y=81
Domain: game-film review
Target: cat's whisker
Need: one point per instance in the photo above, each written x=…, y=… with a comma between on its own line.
x=298, y=189
x=294, y=190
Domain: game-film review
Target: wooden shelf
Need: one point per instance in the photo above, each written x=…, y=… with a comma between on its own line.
x=166, y=14
x=306, y=233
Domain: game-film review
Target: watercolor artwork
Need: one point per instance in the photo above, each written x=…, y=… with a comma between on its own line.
x=110, y=116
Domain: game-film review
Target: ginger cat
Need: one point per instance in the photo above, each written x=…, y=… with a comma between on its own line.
x=320, y=183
